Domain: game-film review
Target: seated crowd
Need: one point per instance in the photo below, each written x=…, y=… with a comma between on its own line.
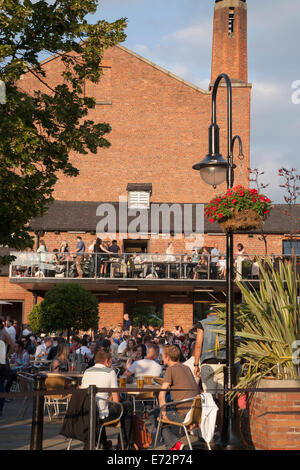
x=145, y=351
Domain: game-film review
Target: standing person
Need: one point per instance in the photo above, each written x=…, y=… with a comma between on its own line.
x=103, y=376
x=114, y=248
x=127, y=324
x=11, y=330
x=178, y=376
x=6, y=347
x=17, y=328
x=215, y=256
x=43, y=250
x=212, y=355
x=92, y=245
x=170, y=252
x=239, y=261
x=79, y=252
x=100, y=249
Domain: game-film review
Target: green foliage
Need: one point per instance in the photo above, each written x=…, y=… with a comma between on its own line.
x=35, y=319
x=40, y=129
x=237, y=199
x=267, y=324
x=146, y=316
x=69, y=307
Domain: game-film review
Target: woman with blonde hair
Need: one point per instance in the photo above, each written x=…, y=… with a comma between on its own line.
x=60, y=362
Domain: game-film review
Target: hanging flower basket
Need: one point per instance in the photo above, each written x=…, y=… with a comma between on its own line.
x=240, y=209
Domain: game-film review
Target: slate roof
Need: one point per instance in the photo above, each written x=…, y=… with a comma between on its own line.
x=82, y=216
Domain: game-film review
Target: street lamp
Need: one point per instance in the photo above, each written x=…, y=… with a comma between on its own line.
x=215, y=170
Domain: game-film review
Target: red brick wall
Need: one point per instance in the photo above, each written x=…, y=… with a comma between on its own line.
x=178, y=314
x=11, y=292
x=159, y=130
x=275, y=420
x=110, y=314
x=230, y=51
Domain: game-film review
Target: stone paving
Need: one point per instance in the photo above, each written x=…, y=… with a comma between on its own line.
x=15, y=431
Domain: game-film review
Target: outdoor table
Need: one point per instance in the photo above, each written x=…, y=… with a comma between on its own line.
x=74, y=376
x=133, y=385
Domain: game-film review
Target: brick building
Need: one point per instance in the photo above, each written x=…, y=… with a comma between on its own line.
x=159, y=130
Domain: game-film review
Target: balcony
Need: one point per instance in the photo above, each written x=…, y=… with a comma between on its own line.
x=128, y=271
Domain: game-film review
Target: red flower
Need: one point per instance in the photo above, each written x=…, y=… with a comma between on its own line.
x=214, y=209
x=253, y=191
x=241, y=193
x=268, y=200
x=234, y=201
x=220, y=216
x=212, y=221
x=253, y=199
x=266, y=212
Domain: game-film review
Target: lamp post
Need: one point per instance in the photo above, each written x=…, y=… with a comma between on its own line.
x=215, y=170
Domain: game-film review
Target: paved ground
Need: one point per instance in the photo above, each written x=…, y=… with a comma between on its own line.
x=15, y=431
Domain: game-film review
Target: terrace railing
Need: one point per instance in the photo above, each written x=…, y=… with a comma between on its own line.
x=146, y=266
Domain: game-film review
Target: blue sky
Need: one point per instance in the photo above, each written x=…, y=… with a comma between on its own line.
x=177, y=35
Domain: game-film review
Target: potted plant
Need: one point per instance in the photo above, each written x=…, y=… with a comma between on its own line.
x=239, y=209
x=267, y=332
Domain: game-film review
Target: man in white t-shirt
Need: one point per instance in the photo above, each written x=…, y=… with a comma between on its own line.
x=147, y=366
x=103, y=376
x=11, y=330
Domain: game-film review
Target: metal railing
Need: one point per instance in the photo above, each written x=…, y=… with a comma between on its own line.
x=39, y=392
x=134, y=266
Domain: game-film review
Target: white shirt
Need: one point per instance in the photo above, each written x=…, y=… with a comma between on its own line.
x=84, y=350
x=41, y=349
x=27, y=332
x=101, y=376
x=12, y=333
x=122, y=347
x=145, y=367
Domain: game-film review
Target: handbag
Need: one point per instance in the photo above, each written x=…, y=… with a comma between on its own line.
x=141, y=436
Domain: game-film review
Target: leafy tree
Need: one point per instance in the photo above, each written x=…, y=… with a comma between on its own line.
x=68, y=307
x=40, y=129
x=35, y=319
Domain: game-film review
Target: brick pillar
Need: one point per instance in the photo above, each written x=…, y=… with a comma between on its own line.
x=110, y=314
x=178, y=314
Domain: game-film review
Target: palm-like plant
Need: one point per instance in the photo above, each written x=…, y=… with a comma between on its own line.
x=266, y=325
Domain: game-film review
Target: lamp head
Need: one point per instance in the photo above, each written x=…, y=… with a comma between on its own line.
x=213, y=169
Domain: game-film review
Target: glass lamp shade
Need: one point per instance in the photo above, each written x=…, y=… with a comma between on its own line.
x=213, y=170
x=213, y=175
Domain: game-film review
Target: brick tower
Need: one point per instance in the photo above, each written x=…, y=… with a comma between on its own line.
x=230, y=40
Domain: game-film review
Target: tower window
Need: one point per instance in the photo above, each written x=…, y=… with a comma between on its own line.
x=231, y=21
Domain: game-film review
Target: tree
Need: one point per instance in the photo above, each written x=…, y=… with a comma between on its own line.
x=68, y=307
x=35, y=319
x=40, y=129
x=254, y=177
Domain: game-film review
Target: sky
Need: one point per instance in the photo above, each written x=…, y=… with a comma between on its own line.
x=177, y=35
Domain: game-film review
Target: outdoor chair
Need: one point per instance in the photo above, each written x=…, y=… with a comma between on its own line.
x=114, y=423
x=25, y=382
x=56, y=382
x=192, y=418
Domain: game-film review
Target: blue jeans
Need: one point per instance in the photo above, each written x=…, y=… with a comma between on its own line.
x=170, y=434
x=2, y=390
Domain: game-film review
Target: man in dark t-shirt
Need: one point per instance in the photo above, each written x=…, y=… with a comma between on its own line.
x=178, y=376
x=127, y=323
